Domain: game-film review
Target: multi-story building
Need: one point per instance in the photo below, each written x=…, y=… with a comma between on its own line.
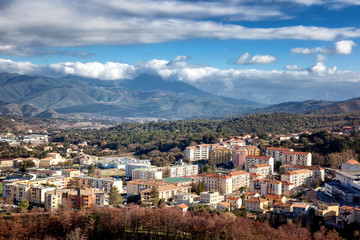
x=181, y=170
x=147, y=173
x=263, y=169
x=187, y=198
x=199, y=152
x=70, y=172
x=211, y=197
x=238, y=157
x=74, y=199
x=6, y=163
x=37, y=194
x=351, y=165
x=252, y=151
x=104, y=184
x=296, y=158
x=165, y=191
x=251, y=160
x=256, y=204
x=220, y=155
x=298, y=177
x=276, y=153
x=129, y=167
x=225, y=183
x=327, y=210
x=265, y=187
x=318, y=172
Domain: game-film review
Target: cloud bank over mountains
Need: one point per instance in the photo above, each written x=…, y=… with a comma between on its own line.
x=295, y=83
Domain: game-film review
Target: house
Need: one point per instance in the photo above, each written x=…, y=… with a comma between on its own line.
x=327, y=210
x=347, y=215
x=256, y=204
x=235, y=202
x=70, y=172
x=300, y=209
x=283, y=208
x=249, y=195
x=182, y=208
x=350, y=165
x=6, y=163
x=272, y=199
x=223, y=206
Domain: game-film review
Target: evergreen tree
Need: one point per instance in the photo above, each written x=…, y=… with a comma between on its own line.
x=91, y=170
x=200, y=188
x=24, y=204
x=115, y=198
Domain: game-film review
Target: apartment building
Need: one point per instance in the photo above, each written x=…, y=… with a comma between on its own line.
x=182, y=170
x=70, y=172
x=220, y=155
x=211, y=197
x=165, y=191
x=263, y=169
x=327, y=210
x=276, y=153
x=296, y=158
x=252, y=160
x=199, y=152
x=318, y=172
x=256, y=204
x=104, y=184
x=265, y=187
x=238, y=156
x=187, y=198
x=351, y=165
x=147, y=174
x=129, y=167
x=74, y=199
x=298, y=177
x=252, y=151
x=225, y=183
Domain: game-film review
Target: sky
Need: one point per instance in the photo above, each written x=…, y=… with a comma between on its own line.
x=268, y=51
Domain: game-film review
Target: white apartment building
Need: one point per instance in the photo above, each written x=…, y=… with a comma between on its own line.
x=147, y=174
x=104, y=184
x=318, y=172
x=298, y=177
x=211, y=197
x=296, y=158
x=134, y=165
x=199, y=152
x=186, y=198
x=183, y=170
x=239, y=179
x=263, y=169
x=276, y=153
x=255, y=160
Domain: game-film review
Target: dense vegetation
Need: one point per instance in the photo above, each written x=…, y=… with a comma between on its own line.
x=165, y=142
x=160, y=223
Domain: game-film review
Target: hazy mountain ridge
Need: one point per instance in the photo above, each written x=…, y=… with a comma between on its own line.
x=348, y=106
x=145, y=96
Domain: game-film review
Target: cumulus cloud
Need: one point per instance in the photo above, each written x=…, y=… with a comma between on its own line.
x=246, y=59
x=340, y=47
x=293, y=67
x=27, y=26
x=315, y=82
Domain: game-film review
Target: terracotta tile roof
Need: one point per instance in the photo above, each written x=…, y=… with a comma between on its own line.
x=346, y=208
x=258, y=157
x=260, y=165
x=286, y=183
x=250, y=194
x=295, y=153
x=182, y=206
x=353, y=161
x=287, y=205
x=302, y=167
x=299, y=205
x=301, y=171
x=271, y=196
x=255, y=175
x=232, y=198
x=225, y=204
x=241, y=172
x=278, y=149
x=257, y=200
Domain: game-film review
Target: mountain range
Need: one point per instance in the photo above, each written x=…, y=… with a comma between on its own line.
x=145, y=97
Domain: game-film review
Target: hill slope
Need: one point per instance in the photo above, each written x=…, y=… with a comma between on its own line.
x=146, y=97
x=348, y=106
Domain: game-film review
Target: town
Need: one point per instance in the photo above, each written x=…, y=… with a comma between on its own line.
x=226, y=176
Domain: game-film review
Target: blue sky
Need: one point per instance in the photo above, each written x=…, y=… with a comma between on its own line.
x=268, y=51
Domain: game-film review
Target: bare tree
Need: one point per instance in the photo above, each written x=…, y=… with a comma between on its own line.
x=336, y=159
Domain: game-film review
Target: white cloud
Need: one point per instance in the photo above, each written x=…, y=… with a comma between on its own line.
x=341, y=47
x=315, y=82
x=344, y=47
x=293, y=67
x=27, y=26
x=246, y=59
